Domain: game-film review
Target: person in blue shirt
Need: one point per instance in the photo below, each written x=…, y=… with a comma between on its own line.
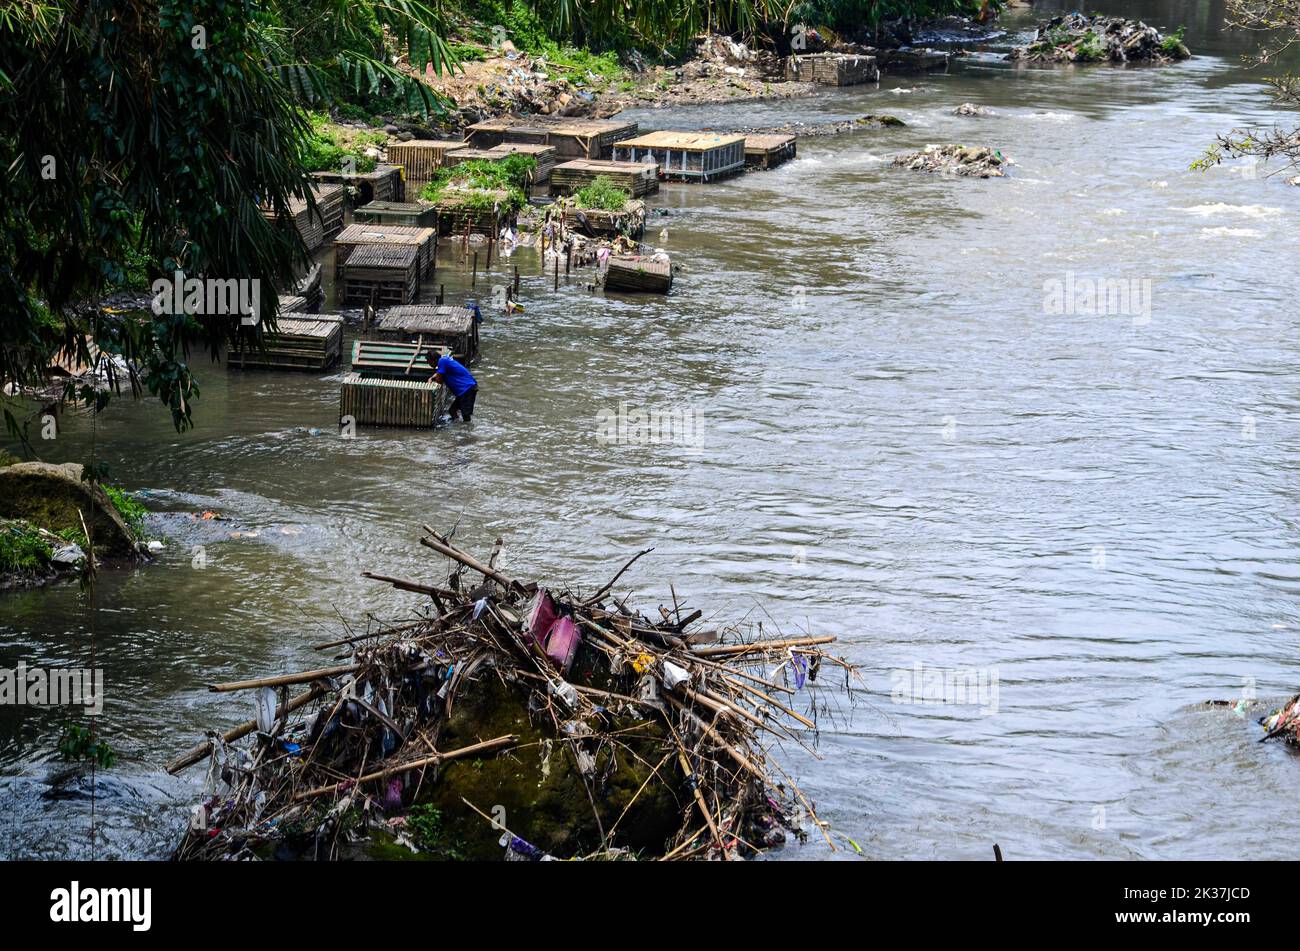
x=461, y=382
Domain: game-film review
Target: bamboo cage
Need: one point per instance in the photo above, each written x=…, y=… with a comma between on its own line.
x=636, y=178
x=357, y=235
x=420, y=158
x=635, y=273
x=460, y=156
x=315, y=227
x=407, y=213
x=686, y=156
x=307, y=342
x=442, y=325
x=461, y=207
x=377, y=401
x=546, y=157
x=385, y=183
x=630, y=221
x=898, y=62
x=571, y=137
x=768, y=151
x=832, y=69
x=382, y=274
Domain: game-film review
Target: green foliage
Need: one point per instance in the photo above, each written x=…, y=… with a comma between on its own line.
x=1090, y=49
x=132, y=148
x=22, y=549
x=481, y=184
x=1173, y=46
x=602, y=194
x=129, y=507
x=323, y=151
x=76, y=745
x=424, y=824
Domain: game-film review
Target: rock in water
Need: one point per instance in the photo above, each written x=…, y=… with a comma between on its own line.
x=51, y=496
x=970, y=109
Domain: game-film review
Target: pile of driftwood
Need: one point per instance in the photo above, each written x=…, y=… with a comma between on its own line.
x=1076, y=37
x=512, y=717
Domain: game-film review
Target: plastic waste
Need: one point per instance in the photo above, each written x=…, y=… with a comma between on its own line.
x=675, y=676
x=266, y=704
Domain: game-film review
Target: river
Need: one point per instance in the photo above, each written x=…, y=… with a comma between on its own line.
x=902, y=442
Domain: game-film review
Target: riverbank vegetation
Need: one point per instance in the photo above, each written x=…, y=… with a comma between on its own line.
x=1277, y=22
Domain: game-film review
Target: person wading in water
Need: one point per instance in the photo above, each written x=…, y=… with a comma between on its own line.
x=449, y=372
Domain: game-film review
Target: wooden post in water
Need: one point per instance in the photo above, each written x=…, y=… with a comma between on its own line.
x=516, y=280
x=568, y=259
x=442, y=289
x=473, y=279
x=557, y=272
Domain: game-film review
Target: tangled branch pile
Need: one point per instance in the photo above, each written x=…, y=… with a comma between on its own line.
x=519, y=718
x=1078, y=38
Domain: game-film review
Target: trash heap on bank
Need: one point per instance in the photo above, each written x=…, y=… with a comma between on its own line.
x=521, y=722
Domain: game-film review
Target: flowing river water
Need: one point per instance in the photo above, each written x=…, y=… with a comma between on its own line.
x=901, y=442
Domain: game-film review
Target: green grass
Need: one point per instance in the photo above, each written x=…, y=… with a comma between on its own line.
x=602, y=194
x=22, y=550
x=326, y=151
x=477, y=183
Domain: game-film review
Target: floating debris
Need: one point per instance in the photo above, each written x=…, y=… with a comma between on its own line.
x=825, y=128
x=1284, y=722
x=970, y=109
x=515, y=717
x=1076, y=38
x=961, y=160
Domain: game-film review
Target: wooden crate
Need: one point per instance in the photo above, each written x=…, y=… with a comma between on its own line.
x=636, y=178
x=441, y=325
x=571, y=137
x=768, y=151
x=377, y=401
x=686, y=156
x=420, y=158
x=637, y=273
x=304, y=342
x=384, y=183
x=545, y=156
x=382, y=274
x=832, y=69
x=410, y=214
x=354, y=236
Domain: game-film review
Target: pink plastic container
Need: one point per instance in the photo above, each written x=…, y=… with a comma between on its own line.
x=562, y=642
x=541, y=615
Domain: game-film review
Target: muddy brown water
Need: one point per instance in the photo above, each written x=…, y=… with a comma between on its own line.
x=1091, y=513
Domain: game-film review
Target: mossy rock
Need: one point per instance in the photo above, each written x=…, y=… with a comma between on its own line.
x=55, y=498
x=548, y=805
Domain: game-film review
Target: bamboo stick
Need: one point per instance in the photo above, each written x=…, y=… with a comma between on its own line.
x=306, y=676
x=204, y=749
x=487, y=746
